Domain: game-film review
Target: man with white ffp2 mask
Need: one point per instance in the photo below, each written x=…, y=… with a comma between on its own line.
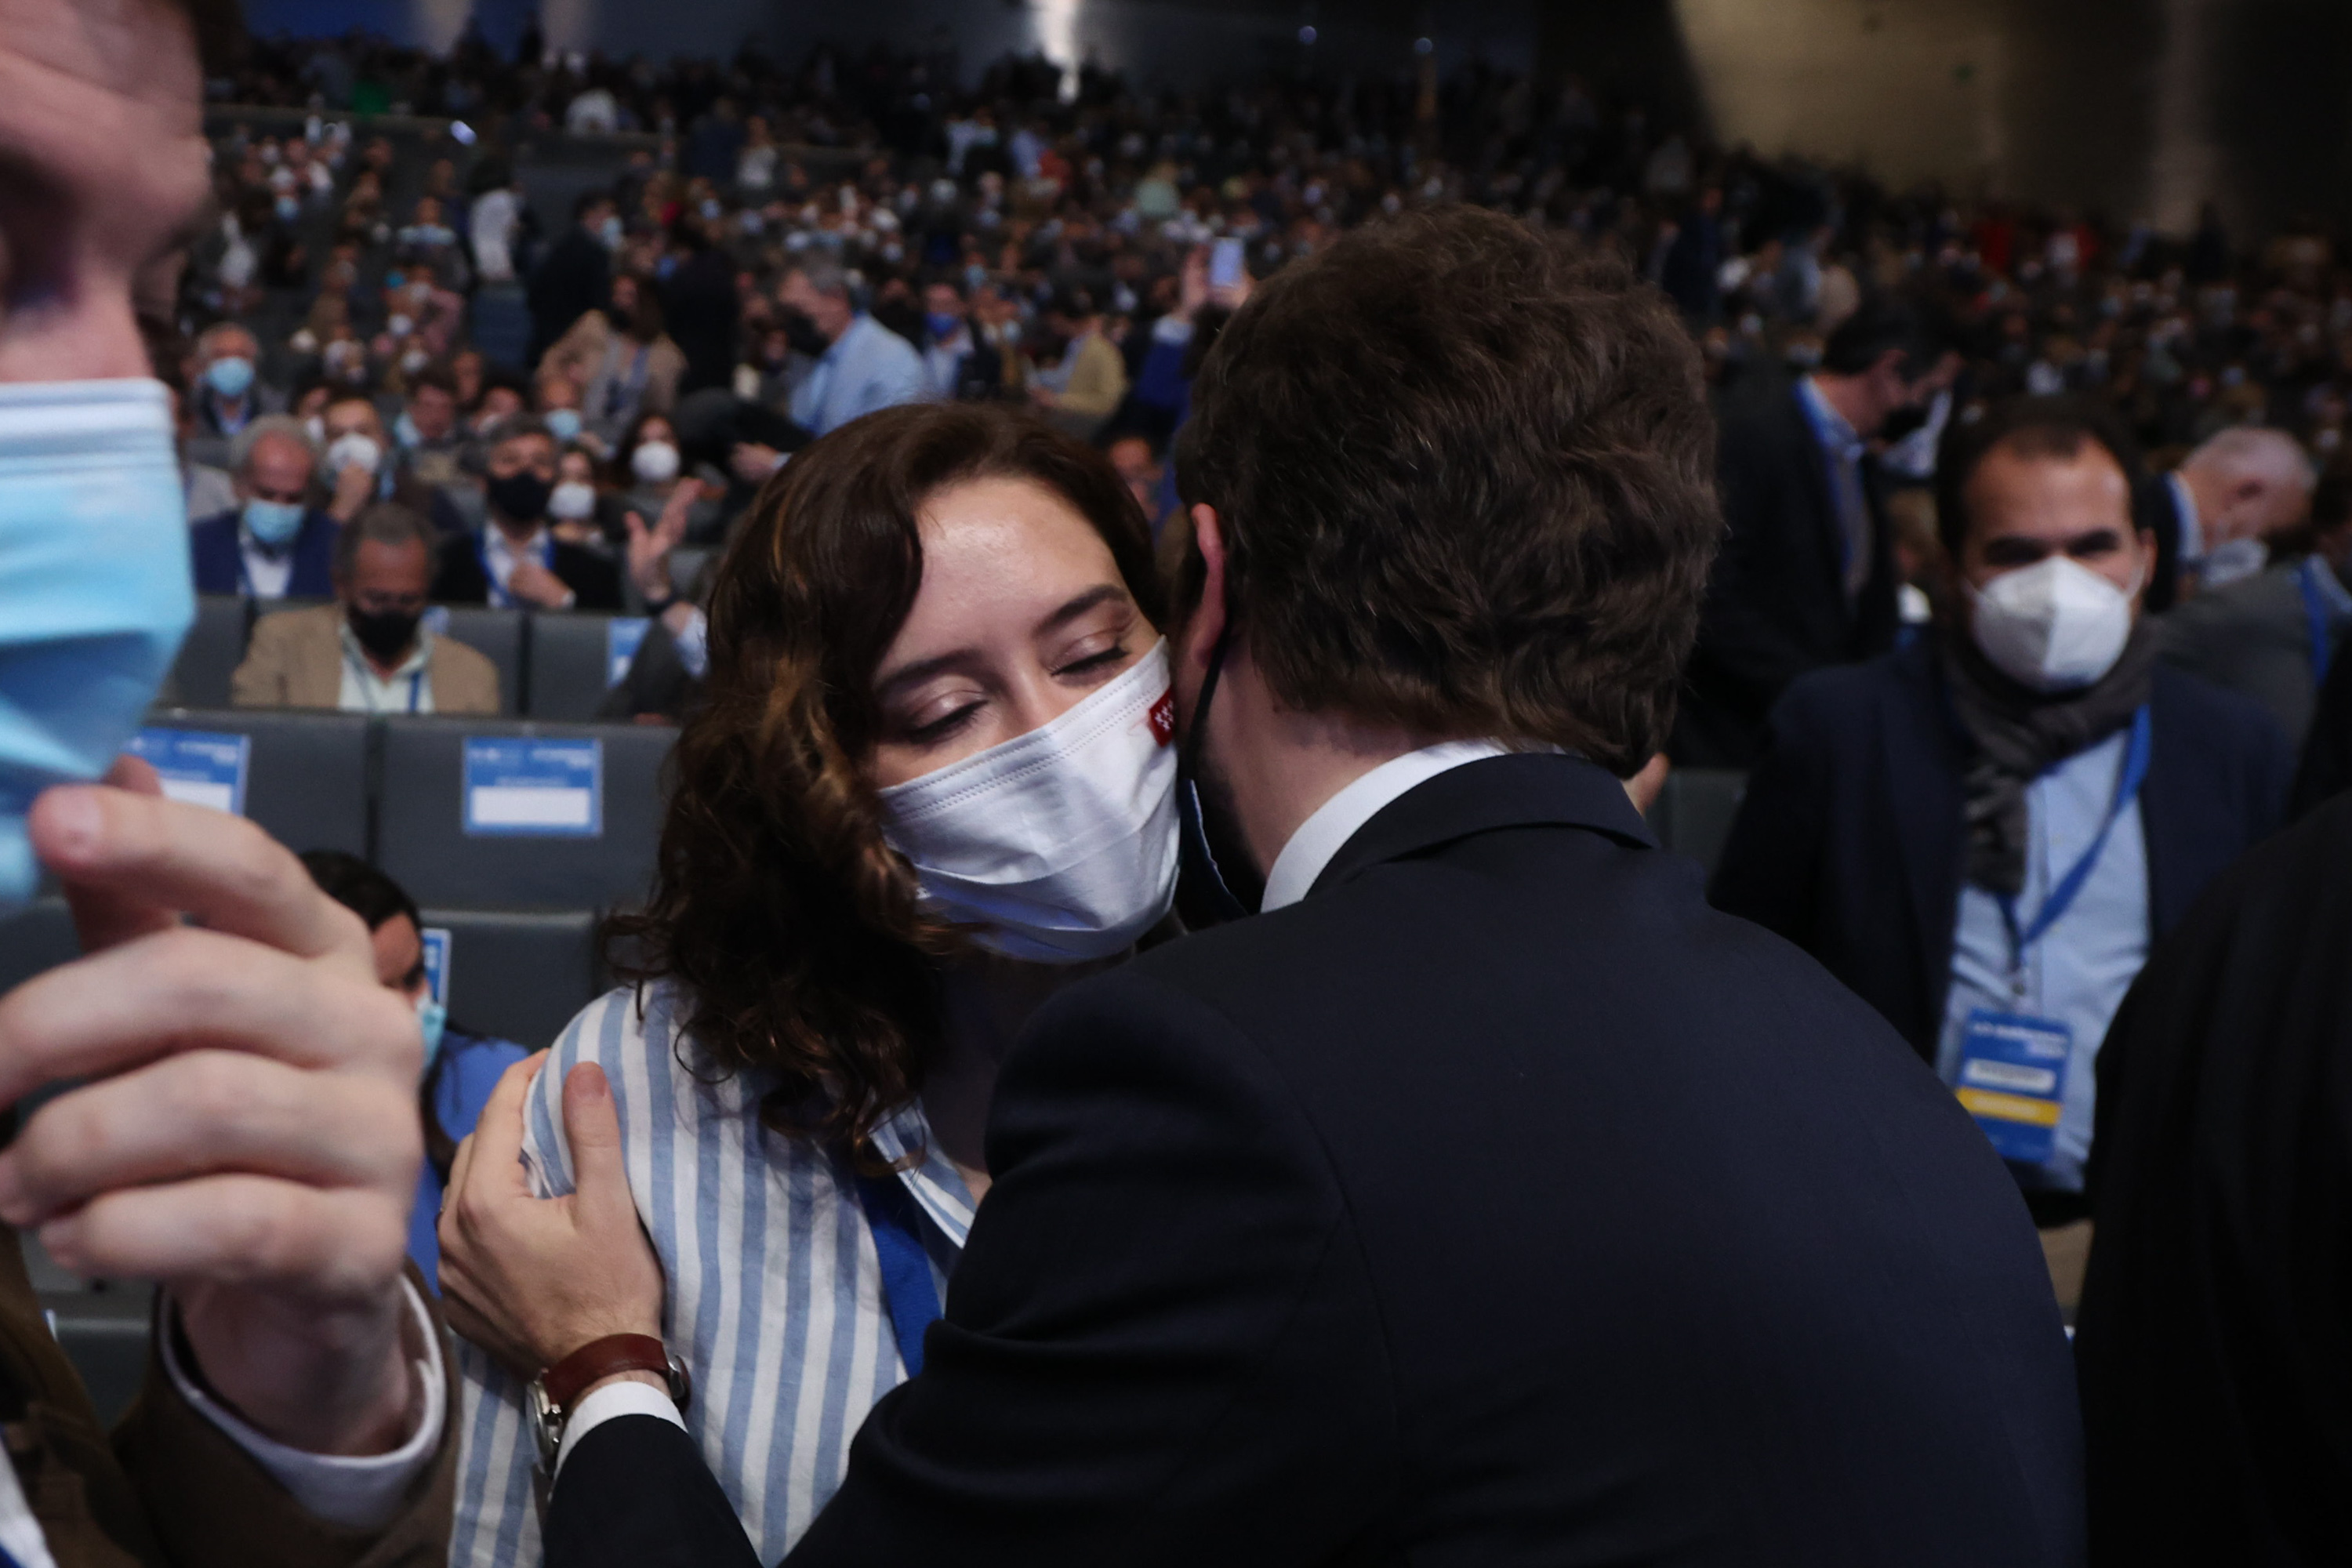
x=2041, y=793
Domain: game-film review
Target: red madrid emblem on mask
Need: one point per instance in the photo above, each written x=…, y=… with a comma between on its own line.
x=1162, y=718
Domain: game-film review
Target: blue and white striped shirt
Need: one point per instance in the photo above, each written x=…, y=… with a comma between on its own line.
x=774, y=1298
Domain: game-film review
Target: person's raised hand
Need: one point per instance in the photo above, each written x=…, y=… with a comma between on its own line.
x=534, y=585
x=248, y=1136
x=753, y=462
x=1192, y=283
x=532, y=1280
x=354, y=486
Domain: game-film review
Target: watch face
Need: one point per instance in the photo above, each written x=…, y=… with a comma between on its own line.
x=546, y=1424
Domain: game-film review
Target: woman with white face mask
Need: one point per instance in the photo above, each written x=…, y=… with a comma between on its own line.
x=649, y=468
x=931, y=783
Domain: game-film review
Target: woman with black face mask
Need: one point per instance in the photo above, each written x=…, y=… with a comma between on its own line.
x=516, y=562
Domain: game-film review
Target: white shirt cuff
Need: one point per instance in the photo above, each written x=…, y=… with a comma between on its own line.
x=357, y=1492
x=1171, y=330
x=694, y=644
x=626, y=1398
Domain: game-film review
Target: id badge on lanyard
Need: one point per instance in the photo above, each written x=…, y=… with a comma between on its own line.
x=2012, y=1068
x=2012, y=1079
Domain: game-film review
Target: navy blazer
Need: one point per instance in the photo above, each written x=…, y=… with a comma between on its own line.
x=1776, y=606
x=1499, y=1204
x=213, y=547
x=1852, y=844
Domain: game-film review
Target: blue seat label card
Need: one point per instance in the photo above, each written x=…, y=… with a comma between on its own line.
x=2012, y=1079
x=436, y=941
x=623, y=634
x=526, y=788
x=197, y=766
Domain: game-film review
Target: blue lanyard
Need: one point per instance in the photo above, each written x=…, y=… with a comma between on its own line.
x=2321, y=614
x=499, y=597
x=907, y=1288
x=367, y=689
x=2070, y=886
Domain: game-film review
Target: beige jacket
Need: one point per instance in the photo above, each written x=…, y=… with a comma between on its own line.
x=582, y=355
x=171, y=1489
x=296, y=660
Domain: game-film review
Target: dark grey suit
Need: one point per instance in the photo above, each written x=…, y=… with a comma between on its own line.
x=2251, y=636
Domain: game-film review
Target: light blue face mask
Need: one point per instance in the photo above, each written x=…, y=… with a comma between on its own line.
x=272, y=522
x=432, y=1018
x=231, y=377
x=94, y=585
x=563, y=423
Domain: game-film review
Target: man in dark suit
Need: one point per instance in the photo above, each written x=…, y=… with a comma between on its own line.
x=1997, y=821
x=275, y=545
x=575, y=275
x=1807, y=576
x=1486, y=1199
x=515, y=561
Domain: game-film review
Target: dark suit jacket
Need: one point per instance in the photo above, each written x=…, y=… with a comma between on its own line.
x=595, y=580
x=171, y=1488
x=1776, y=608
x=2155, y=510
x=212, y=548
x=575, y=278
x=1500, y=1204
x=1852, y=841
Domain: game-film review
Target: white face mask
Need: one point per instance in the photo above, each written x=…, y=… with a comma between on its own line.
x=571, y=500
x=2056, y=626
x=2230, y=559
x=354, y=450
x=655, y=462
x=1060, y=842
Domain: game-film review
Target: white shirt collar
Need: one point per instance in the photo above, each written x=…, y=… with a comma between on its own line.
x=1337, y=820
x=2192, y=528
x=1835, y=432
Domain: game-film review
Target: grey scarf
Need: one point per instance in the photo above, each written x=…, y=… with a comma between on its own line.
x=2019, y=734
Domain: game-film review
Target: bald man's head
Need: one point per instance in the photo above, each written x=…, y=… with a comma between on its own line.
x=2249, y=483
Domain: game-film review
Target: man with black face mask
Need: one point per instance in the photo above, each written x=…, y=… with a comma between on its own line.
x=368, y=652
x=515, y=562
x=1807, y=573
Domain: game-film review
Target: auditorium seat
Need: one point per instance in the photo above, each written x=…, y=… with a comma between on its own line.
x=1694, y=812
x=307, y=783
x=421, y=825
x=518, y=976
x=36, y=937
x=215, y=646
x=497, y=635
x=571, y=664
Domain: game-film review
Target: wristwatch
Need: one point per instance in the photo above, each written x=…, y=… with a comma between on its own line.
x=554, y=1390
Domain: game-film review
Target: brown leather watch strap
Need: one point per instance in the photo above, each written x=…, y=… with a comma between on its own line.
x=599, y=1358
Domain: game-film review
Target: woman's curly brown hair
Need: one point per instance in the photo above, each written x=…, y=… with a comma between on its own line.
x=792, y=930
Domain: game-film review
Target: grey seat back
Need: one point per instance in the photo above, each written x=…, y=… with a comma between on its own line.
x=36, y=937
x=424, y=841
x=215, y=646
x=498, y=635
x=308, y=780
x=571, y=663
x=516, y=976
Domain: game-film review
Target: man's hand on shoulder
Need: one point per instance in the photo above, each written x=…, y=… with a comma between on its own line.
x=248, y=1136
